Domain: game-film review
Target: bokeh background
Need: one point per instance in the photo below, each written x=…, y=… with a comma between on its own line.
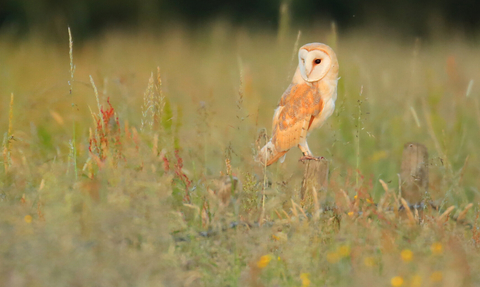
x=87, y=18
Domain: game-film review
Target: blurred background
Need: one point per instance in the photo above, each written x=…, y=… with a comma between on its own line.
x=89, y=17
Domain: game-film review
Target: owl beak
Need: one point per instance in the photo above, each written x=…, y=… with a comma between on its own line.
x=308, y=71
x=307, y=79
x=308, y=76
x=304, y=75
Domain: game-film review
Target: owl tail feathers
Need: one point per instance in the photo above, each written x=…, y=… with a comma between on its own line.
x=269, y=154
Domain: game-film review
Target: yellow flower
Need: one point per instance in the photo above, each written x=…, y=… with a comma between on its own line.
x=369, y=261
x=305, y=279
x=350, y=213
x=436, y=248
x=355, y=197
x=369, y=200
x=264, y=260
x=436, y=276
x=407, y=255
x=344, y=250
x=379, y=155
x=28, y=218
x=416, y=281
x=396, y=281
x=333, y=257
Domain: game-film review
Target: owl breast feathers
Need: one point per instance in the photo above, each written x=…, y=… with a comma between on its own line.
x=305, y=105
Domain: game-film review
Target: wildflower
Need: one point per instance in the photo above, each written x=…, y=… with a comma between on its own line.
x=369, y=200
x=28, y=218
x=305, y=279
x=406, y=255
x=355, y=197
x=369, y=261
x=333, y=257
x=416, y=281
x=396, y=281
x=436, y=276
x=264, y=260
x=436, y=248
x=350, y=213
x=379, y=155
x=344, y=251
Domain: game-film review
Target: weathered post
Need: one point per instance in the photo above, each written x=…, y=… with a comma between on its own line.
x=315, y=178
x=414, y=174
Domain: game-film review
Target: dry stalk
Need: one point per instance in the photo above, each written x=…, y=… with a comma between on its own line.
x=347, y=199
x=462, y=214
x=7, y=161
x=410, y=216
x=278, y=214
x=294, y=208
x=444, y=216
x=286, y=215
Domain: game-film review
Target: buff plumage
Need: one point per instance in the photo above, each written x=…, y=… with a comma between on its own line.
x=305, y=105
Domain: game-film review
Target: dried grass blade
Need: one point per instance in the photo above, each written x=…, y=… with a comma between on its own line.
x=410, y=216
x=462, y=214
x=444, y=216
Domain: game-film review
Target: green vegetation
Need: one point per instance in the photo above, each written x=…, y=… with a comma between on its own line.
x=112, y=168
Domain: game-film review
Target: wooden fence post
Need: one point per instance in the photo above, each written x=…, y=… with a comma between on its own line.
x=315, y=177
x=414, y=173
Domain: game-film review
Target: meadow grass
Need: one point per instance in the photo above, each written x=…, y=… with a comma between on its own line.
x=114, y=169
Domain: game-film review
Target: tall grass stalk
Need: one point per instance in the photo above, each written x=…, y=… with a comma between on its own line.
x=332, y=41
x=264, y=186
x=469, y=88
x=95, y=90
x=357, y=137
x=148, y=105
x=73, y=147
x=293, y=59
x=284, y=23
x=153, y=103
x=415, y=116
x=6, y=140
x=10, y=118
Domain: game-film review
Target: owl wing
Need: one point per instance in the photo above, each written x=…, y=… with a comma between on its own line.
x=298, y=107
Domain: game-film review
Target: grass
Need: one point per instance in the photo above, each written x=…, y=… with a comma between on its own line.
x=112, y=168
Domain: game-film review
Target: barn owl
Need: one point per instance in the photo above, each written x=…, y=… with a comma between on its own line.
x=305, y=105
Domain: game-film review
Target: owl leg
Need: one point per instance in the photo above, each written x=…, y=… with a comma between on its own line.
x=307, y=154
x=305, y=149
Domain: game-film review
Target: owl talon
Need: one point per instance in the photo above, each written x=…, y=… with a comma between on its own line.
x=310, y=157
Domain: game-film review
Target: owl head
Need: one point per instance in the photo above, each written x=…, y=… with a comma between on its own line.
x=315, y=61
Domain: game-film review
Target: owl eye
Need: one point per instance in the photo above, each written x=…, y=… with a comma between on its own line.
x=318, y=61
